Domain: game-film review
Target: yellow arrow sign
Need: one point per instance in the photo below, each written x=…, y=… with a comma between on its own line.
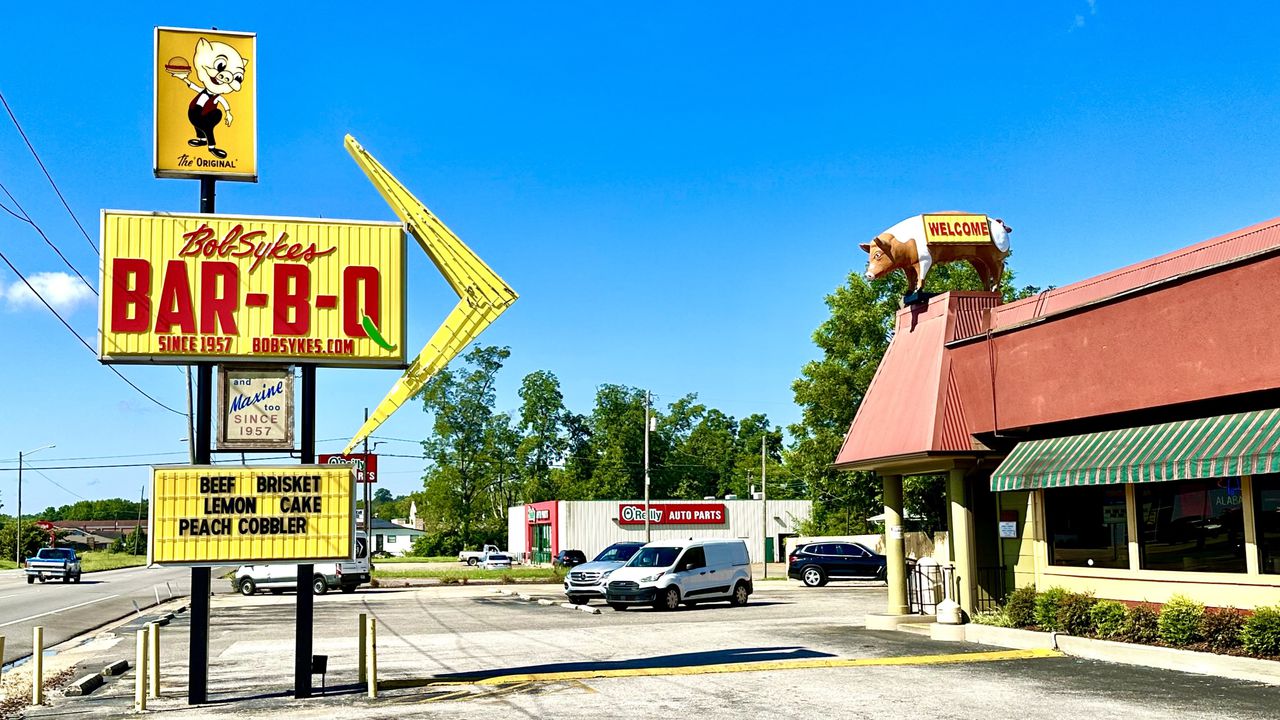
x=483, y=295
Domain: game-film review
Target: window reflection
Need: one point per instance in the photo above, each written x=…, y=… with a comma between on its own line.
x=1266, y=493
x=1086, y=526
x=1192, y=525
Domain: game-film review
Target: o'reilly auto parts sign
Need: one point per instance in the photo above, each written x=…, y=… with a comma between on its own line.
x=672, y=514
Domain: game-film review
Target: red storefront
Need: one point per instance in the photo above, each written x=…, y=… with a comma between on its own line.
x=1119, y=435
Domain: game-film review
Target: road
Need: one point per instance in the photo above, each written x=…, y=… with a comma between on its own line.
x=791, y=653
x=69, y=609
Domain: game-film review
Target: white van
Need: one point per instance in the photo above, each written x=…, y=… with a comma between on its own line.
x=666, y=573
x=277, y=578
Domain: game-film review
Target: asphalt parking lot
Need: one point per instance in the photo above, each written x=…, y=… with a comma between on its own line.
x=794, y=652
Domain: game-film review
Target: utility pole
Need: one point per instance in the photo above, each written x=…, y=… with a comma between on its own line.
x=647, y=537
x=368, y=500
x=764, y=504
x=17, y=526
x=17, y=531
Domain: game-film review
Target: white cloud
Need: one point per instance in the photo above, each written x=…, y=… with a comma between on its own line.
x=65, y=292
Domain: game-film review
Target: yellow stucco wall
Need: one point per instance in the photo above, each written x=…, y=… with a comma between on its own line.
x=1019, y=554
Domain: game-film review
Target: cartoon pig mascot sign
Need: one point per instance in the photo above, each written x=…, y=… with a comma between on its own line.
x=922, y=241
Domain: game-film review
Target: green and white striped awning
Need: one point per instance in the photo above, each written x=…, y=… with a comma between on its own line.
x=1222, y=446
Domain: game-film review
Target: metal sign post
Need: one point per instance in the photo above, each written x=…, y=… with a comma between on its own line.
x=201, y=578
x=305, y=615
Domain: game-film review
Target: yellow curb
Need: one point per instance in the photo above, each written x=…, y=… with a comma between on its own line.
x=805, y=664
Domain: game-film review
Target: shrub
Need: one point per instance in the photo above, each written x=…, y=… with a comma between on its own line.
x=1179, y=621
x=997, y=618
x=1261, y=632
x=1220, y=629
x=1020, y=608
x=1047, y=604
x=1107, y=618
x=1141, y=624
x=1073, y=614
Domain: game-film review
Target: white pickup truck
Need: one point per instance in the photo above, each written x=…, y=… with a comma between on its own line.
x=53, y=563
x=475, y=557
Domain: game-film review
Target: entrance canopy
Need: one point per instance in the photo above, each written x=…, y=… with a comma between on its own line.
x=1221, y=446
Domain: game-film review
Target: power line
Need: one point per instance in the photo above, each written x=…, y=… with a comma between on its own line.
x=46, y=477
x=40, y=162
x=89, y=347
x=26, y=218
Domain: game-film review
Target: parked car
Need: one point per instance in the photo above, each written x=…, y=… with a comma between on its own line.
x=666, y=573
x=816, y=563
x=495, y=561
x=588, y=580
x=53, y=563
x=277, y=578
x=569, y=558
x=473, y=557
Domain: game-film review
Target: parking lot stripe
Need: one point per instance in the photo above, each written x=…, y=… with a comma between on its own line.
x=806, y=664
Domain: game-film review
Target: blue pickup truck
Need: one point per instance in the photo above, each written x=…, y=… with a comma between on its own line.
x=51, y=563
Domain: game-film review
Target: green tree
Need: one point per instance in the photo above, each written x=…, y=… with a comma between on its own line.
x=615, y=450
x=542, y=420
x=382, y=495
x=463, y=441
x=852, y=342
x=134, y=543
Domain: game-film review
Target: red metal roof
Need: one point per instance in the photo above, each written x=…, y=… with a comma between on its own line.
x=912, y=406
x=1216, y=251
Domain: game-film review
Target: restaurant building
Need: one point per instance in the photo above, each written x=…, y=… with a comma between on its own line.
x=538, y=531
x=1119, y=435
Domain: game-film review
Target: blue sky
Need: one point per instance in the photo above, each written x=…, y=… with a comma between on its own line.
x=672, y=188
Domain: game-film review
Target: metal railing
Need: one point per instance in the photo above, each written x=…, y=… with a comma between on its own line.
x=928, y=585
x=991, y=589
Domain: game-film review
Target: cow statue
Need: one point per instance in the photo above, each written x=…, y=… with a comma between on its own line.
x=922, y=241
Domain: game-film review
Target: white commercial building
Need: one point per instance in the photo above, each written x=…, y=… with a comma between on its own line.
x=538, y=531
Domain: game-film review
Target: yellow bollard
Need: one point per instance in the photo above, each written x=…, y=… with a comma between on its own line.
x=140, y=674
x=364, y=619
x=373, y=658
x=153, y=662
x=37, y=665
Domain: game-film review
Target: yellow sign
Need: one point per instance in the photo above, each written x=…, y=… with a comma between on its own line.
x=206, y=105
x=483, y=295
x=230, y=515
x=957, y=229
x=188, y=288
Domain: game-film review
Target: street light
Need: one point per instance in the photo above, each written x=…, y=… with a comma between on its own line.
x=17, y=537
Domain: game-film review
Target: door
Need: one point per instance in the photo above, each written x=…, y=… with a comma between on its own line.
x=696, y=579
x=541, y=543
x=859, y=561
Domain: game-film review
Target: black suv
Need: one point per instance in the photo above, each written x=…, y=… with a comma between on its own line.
x=569, y=558
x=816, y=563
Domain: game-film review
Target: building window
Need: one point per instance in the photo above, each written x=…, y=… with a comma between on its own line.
x=391, y=539
x=1266, y=510
x=1192, y=525
x=1086, y=526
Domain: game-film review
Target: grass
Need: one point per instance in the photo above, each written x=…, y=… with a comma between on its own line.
x=8, y=565
x=99, y=560
x=461, y=576
x=412, y=559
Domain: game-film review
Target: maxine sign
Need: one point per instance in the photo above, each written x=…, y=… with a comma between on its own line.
x=255, y=409
x=184, y=288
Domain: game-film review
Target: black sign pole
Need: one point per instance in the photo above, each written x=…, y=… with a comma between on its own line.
x=201, y=583
x=306, y=600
